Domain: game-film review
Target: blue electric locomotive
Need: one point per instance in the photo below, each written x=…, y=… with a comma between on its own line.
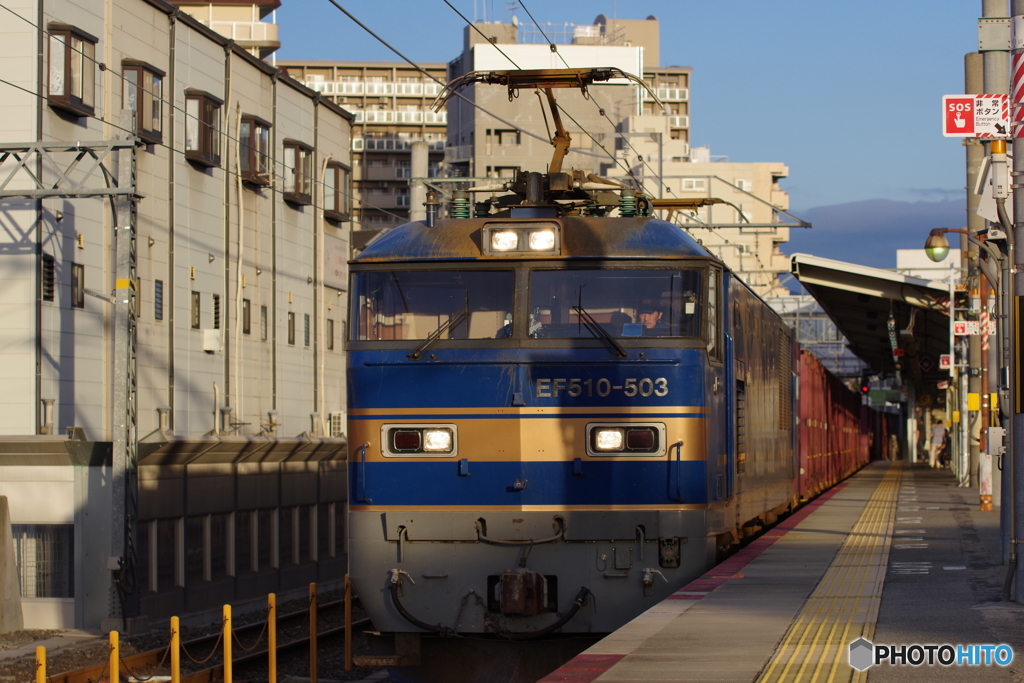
x=557, y=419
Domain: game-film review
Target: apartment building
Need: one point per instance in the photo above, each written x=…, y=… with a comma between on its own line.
x=391, y=105
x=243, y=21
x=172, y=349
x=481, y=141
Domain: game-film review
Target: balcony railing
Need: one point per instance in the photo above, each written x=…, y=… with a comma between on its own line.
x=454, y=155
x=669, y=95
x=387, y=116
x=392, y=145
x=364, y=88
x=246, y=31
x=679, y=122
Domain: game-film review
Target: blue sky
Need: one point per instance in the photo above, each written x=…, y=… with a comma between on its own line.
x=848, y=94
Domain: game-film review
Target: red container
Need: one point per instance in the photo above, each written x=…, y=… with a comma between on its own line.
x=836, y=434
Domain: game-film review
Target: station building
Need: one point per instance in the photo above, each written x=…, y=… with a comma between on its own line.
x=211, y=417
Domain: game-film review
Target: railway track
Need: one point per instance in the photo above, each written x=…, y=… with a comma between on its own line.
x=206, y=650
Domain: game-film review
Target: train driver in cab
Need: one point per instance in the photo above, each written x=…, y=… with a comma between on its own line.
x=650, y=315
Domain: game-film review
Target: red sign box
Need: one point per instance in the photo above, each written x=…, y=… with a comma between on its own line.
x=958, y=116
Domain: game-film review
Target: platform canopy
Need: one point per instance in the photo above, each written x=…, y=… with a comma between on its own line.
x=861, y=300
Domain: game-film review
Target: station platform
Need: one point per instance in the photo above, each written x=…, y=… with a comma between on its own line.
x=897, y=555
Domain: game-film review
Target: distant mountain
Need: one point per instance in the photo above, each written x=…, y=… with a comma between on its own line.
x=869, y=232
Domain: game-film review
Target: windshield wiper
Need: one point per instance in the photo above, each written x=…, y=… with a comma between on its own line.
x=599, y=332
x=436, y=334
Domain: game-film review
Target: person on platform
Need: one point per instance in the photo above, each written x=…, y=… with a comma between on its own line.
x=938, y=439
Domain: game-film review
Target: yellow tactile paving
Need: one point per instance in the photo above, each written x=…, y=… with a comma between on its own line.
x=845, y=604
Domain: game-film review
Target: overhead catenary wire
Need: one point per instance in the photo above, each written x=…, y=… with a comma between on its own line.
x=225, y=170
x=603, y=112
x=554, y=48
x=439, y=82
x=560, y=107
x=225, y=136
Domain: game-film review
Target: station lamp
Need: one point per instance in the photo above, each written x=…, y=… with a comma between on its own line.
x=936, y=247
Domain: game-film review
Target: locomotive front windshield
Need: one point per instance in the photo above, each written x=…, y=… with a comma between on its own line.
x=562, y=304
x=415, y=304
x=624, y=302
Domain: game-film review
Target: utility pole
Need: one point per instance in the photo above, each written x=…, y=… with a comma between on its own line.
x=124, y=492
x=974, y=82
x=996, y=81
x=1017, y=258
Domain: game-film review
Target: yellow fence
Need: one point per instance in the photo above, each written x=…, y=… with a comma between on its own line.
x=225, y=643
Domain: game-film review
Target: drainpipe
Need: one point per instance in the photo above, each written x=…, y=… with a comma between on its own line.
x=216, y=411
x=229, y=387
x=238, y=262
x=171, y=158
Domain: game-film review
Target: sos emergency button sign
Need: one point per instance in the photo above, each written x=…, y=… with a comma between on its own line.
x=976, y=116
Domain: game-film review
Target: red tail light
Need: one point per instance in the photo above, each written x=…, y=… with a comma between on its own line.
x=406, y=440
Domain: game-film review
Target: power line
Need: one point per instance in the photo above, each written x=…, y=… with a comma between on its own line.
x=560, y=108
x=477, y=29
x=433, y=78
x=221, y=133
x=225, y=169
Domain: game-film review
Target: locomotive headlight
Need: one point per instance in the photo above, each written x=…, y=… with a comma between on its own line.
x=532, y=238
x=608, y=439
x=437, y=440
x=618, y=439
x=419, y=440
x=505, y=240
x=542, y=240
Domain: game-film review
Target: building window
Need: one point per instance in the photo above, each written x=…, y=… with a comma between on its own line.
x=324, y=541
x=291, y=328
x=329, y=334
x=219, y=547
x=72, y=78
x=506, y=171
x=298, y=172
x=245, y=542
x=287, y=536
x=508, y=137
x=246, y=316
x=694, y=184
x=77, y=285
x=202, y=127
x=197, y=542
x=305, y=329
x=196, y=320
x=267, y=539
x=158, y=299
x=337, y=190
x=263, y=323
x=143, y=94
x=216, y=311
x=254, y=137
x=44, y=555
x=48, y=278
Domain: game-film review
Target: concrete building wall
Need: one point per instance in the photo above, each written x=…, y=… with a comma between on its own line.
x=199, y=230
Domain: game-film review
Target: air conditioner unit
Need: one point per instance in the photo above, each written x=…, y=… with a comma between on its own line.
x=211, y=340
x=337, y=423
